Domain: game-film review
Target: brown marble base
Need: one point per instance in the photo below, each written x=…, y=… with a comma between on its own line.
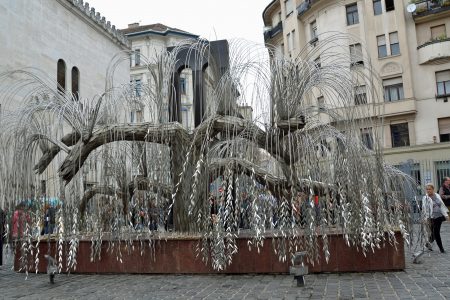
x=177, y=256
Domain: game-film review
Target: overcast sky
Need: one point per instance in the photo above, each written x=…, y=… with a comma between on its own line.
x=211, y=19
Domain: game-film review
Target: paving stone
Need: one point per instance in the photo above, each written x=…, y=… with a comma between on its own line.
x=429, y=280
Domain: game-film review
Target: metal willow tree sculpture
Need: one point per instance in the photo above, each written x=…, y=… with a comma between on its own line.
x=270, y=170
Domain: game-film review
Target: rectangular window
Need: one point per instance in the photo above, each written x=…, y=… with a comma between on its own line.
x=185, y=117
x=321, y=103
x=293, y=39
x=356, y=56
x=438, y=32
x=352, y=14
x=317, y=62
x=442, y=170
x=443, y=83
x=360, y=95
x=377, y=10
x=43, y=187
x=183, y=86
x=139, y=116
x=137, y=57
x=393, y=89
x=395, y=46
x=389, y=5
x=415, y=172
x=444, y=129
x=136, y=116
x=381, y=42
x=411, y=168
x=88, y=185
x=290, y=39
x=400, y=135
x=138, y=87
x=289, y=7
x=367, y=137
x=313, y=28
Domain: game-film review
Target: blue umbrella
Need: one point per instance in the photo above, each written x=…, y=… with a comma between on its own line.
x=51, y=201
x=27, y=203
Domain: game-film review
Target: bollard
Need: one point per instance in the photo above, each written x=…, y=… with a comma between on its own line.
x=51, y=267
x=299, y=269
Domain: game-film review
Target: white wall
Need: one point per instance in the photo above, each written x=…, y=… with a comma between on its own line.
x=39, y=32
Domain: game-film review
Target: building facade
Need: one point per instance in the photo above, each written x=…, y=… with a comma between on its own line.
x=65, y=39
x=407, y=43
x=69, y=46
x=147, y=41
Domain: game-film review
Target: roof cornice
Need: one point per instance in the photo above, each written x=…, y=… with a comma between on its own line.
x=88, y=14
x=163, y=33
x=267, y=8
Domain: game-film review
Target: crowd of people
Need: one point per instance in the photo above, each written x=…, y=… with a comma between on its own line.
x=435, y=207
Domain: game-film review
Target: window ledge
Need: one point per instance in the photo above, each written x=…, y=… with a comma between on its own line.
x=389, y=56
x=399, y=100
x=353, y=25
x=357, y=64
x=313, y=41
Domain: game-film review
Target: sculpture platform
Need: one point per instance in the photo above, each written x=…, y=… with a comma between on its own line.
x=177, y=255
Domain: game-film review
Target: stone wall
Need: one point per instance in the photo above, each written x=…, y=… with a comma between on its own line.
x=40, y=32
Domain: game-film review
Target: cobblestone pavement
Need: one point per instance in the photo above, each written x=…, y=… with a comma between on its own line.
x=428, y=280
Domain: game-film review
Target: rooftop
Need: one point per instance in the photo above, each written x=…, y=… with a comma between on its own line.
x=158, y=28
x=83, y=9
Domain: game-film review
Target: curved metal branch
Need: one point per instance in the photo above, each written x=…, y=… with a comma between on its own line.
x=127, y=132
x=68, y=140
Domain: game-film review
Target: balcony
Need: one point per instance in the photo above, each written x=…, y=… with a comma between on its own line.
x=401, y=107
x=429, y=10
x=435, y=52
x=303, y=7
x=271, y=33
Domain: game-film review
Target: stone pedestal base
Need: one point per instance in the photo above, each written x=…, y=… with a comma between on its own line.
x=177, y=256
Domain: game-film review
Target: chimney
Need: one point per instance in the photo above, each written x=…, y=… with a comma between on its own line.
x=133, y=25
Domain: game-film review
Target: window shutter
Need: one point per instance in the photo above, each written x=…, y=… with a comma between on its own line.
x=393, y=38
x=444, y=125
x=381, y=40
x=443, y=76
x=392, y=81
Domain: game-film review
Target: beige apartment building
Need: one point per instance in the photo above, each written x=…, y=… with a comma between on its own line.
x=408, y=45
x=147, y=41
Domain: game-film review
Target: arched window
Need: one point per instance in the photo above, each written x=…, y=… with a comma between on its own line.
x=61, y=76
x=75, y=83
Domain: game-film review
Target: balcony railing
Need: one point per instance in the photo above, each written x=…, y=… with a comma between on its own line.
x=428, y=8
x=400, y=107
x=305, y=6
x=274, y=31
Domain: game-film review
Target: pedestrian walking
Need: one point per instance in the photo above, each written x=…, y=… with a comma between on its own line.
x=444, y=191
x=434, y=213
